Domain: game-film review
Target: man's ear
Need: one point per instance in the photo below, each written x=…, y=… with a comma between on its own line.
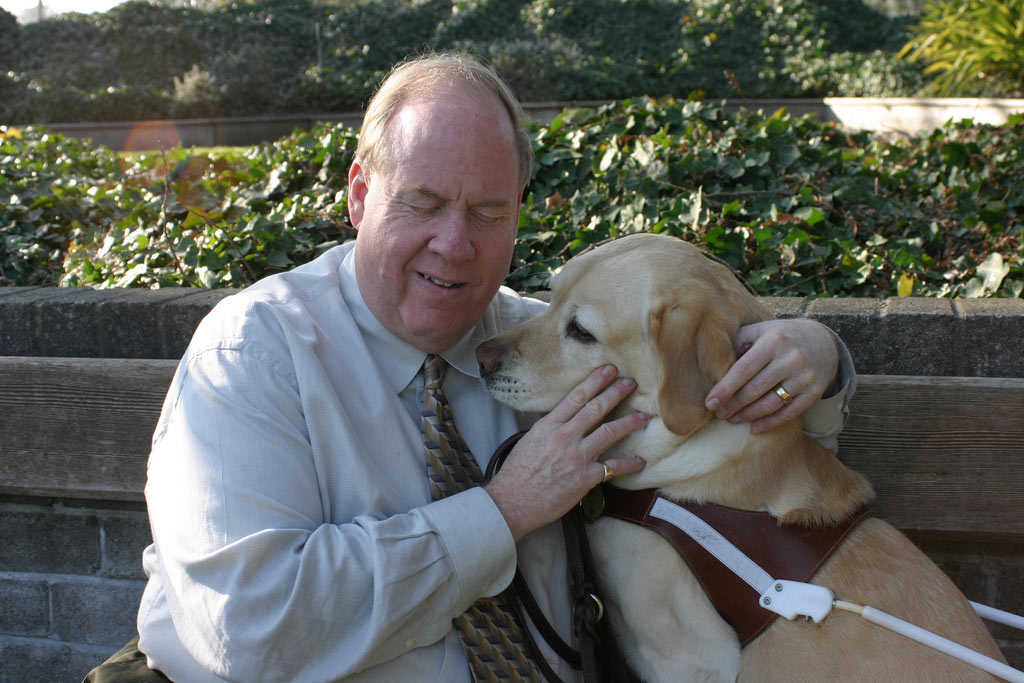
x=357, y=189
x=696, y=350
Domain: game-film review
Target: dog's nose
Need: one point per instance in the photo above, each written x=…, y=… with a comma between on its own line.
x=489, y=355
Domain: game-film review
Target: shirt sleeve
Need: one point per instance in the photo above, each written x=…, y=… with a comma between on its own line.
x=259, y=584
x=824, y=420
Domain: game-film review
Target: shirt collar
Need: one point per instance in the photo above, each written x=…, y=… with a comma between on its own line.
x=397, y=360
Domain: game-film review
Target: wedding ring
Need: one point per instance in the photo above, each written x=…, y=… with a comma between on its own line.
x=608, y=474
x=781, y=392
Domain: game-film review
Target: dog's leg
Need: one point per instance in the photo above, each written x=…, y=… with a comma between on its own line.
x=667, y=628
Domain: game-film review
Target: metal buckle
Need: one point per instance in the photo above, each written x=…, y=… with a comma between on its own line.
x=597, y=603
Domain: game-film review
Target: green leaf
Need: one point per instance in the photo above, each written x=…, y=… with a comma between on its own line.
x=810, y=215
x=279, y=259
x=786, y=155
x=992, y=271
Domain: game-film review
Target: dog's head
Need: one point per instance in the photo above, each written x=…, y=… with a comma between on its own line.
x=654, y=306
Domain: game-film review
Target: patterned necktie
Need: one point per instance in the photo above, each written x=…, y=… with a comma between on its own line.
x=491, y=637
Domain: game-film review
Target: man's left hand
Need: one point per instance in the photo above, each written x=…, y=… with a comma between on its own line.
x=783, y=368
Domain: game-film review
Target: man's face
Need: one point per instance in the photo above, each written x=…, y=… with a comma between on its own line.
x=437, y=223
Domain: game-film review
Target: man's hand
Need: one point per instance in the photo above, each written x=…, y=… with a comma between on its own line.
x=798, y=355
x=555, y=463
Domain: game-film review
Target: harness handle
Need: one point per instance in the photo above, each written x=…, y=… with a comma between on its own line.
x=933, y=640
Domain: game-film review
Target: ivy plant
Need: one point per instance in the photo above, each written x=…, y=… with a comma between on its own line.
x=796, y=206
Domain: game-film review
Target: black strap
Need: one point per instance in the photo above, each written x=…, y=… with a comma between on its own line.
x=599, y=656
x=586, y=608
x=599, y=649
x=523, y=596
x=515, y=593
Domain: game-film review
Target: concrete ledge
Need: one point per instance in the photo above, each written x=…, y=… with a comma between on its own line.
x=896, y=336
x=914, y=114
x=166, y=134
x=903, y=115
x=108, y=323
x=920, y=336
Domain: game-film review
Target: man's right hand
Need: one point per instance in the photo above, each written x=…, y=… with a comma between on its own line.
x=556, y=463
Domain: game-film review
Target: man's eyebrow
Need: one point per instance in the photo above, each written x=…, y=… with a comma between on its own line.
x=431, y=194
x=425, y=191
x=493, y=203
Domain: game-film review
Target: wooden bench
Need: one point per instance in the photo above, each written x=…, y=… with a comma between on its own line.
x=945, y=454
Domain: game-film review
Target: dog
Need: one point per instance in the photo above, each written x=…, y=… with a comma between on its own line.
x=667, y=315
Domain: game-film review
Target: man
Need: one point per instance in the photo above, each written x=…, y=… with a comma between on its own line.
x=295, y=535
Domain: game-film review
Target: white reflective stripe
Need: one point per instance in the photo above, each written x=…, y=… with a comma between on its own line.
x=716, y=544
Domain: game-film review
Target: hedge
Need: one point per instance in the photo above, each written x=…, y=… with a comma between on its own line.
x=139, y=61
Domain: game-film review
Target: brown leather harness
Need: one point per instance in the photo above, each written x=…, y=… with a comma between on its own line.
x=792, y=552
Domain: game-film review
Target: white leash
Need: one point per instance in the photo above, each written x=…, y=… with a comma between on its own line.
x=791, y=599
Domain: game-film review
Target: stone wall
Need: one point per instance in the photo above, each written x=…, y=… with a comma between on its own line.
x=70, y=583
x=70, y=570
x=899, y=115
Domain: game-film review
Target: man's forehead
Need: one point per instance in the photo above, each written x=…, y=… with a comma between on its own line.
x=453, y=108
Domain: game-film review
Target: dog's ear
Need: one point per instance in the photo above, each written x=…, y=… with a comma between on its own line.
x=696, y=350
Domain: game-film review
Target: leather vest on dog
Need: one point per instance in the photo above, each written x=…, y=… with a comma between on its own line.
x=789, y=551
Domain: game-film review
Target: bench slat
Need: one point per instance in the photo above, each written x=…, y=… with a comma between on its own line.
x=78, y=427
x=944, y=454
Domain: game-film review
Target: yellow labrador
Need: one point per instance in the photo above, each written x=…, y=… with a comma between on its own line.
x=666, y=315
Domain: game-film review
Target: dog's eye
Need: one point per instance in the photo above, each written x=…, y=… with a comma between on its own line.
x=574, y=331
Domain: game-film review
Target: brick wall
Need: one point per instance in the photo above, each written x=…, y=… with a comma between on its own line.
x=71, y=580
x=991, y=574
x=70, y=583
x=70, y=571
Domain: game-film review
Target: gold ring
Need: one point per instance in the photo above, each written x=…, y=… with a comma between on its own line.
x=608, y=474
x=781, y=392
